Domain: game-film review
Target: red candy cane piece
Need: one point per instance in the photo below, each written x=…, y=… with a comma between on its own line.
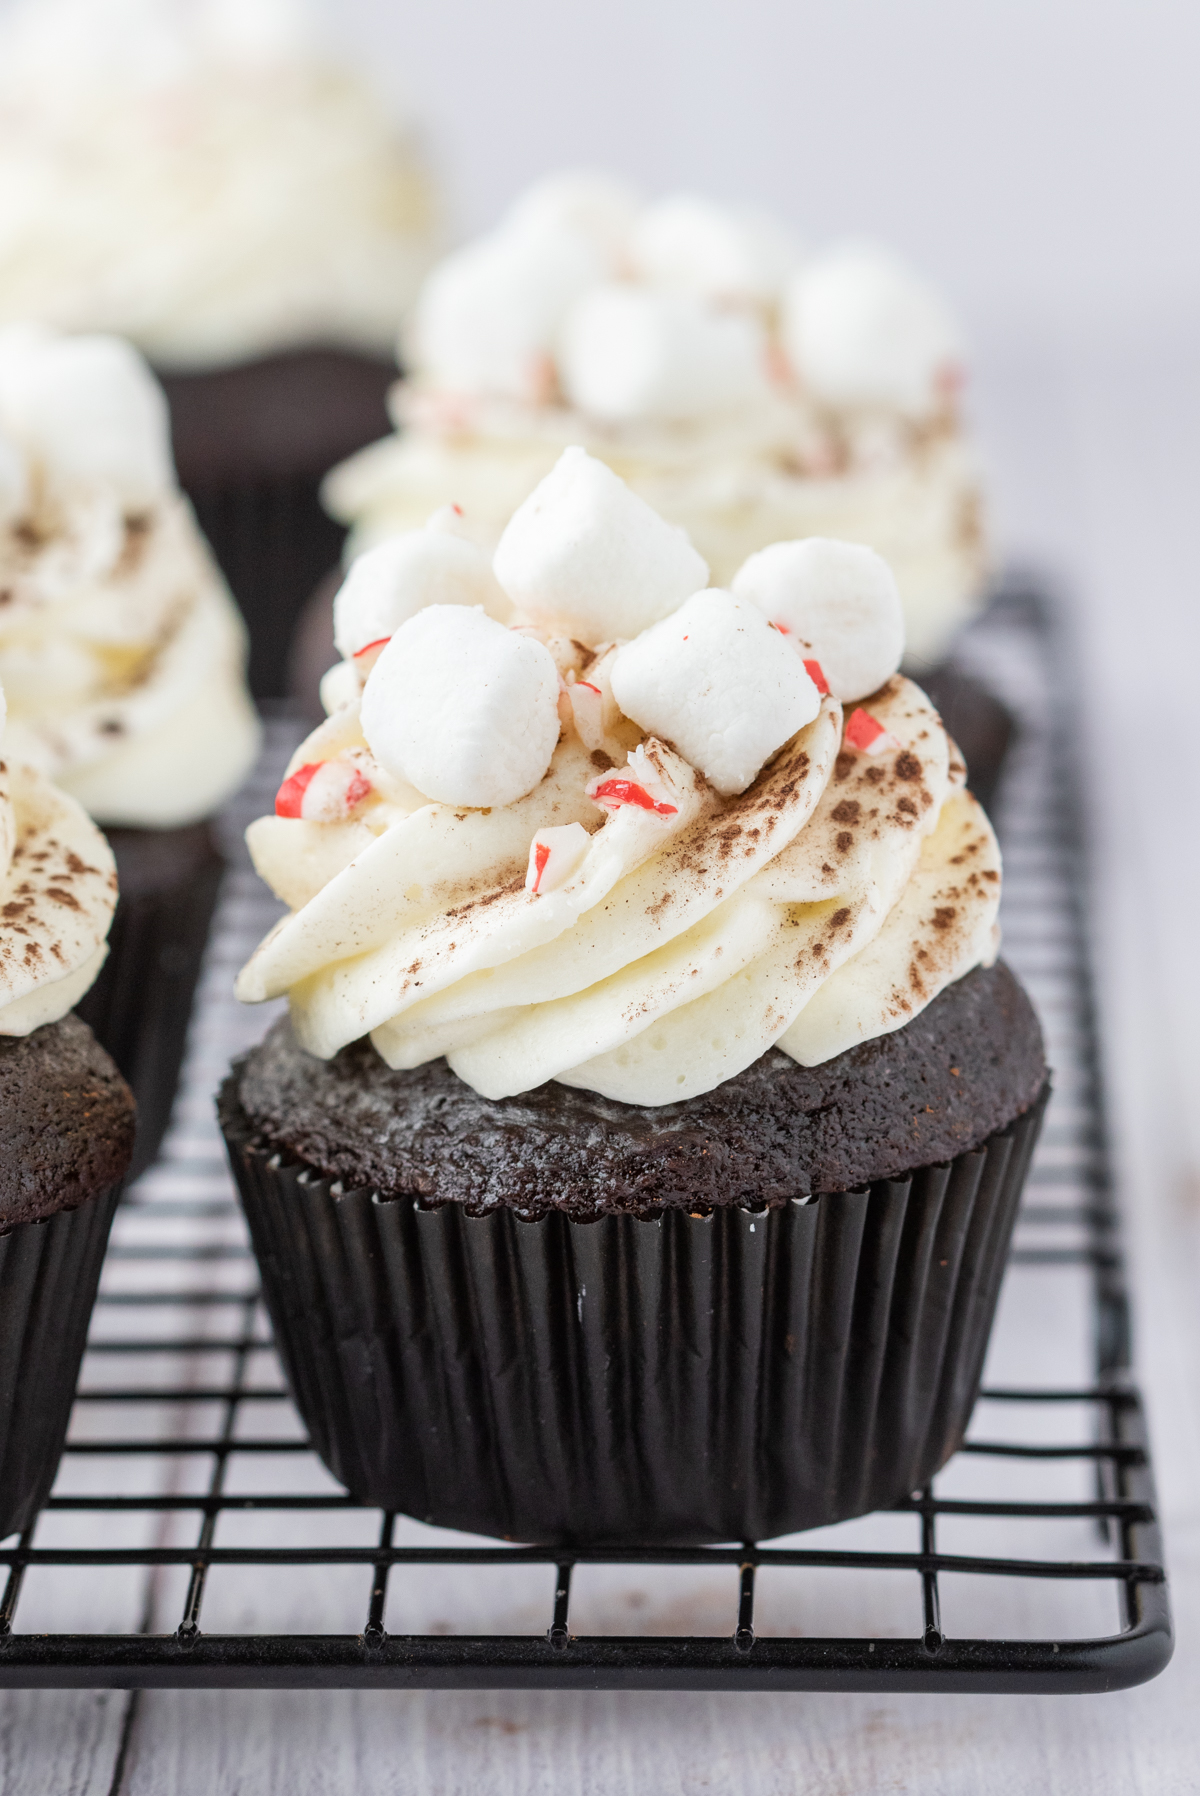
x=815, y=674
x=612, y=794
x=371, y=648
x=290, y=795
x=866, y=733
x=541, y=854
x=322, y=792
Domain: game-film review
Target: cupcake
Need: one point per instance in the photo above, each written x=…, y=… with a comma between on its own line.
x=638, y=1157
x=747, y=391
x=66, y=1120
x=122, y=655
x=210, y=180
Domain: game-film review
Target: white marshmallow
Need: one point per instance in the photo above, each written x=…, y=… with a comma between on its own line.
x=462, y=708
x=14, y=480
x=489, y=316
x=633, y=352
x=555, y=856
x=861, y=329
x=838, y=602
x=579, y=200
x=586, y=551
x=89, y=410
x=720, y=684
x=401, y=576
x=685, y=241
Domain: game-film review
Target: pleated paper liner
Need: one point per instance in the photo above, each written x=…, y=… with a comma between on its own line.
x=677, y=1380
x=140, y=1005
x=48, y=1277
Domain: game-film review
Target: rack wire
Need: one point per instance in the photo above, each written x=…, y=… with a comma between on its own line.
x=193, y=1539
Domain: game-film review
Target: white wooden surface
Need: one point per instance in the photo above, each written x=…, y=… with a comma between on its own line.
x=1097, y=464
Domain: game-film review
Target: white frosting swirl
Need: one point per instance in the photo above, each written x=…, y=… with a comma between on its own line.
x=696, y=351
x=121, y=649
x=202, y=178
x=58, y=892
x=655, y=953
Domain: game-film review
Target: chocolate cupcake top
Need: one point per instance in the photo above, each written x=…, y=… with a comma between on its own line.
x=630, y=865
x=121, y=650
x=66, y=1122
x=745, y=389
x=205, y=177
x=58, y=892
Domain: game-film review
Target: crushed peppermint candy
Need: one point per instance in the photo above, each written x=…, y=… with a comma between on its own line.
x=587, y=712
x=322, y=792
x=611, y=794
x=815, y=674
x=555, y=855
x=866, y=733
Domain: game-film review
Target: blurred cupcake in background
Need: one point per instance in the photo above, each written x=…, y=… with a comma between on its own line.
x=122, y=655
x=748, y=391
x=66, y=1119
x=211, y=180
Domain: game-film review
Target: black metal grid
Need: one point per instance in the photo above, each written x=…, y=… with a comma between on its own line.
x=197, y=1439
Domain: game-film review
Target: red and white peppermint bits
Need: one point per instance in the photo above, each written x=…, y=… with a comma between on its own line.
x=815, y=673
x=322, y=792
x=610, y=793
x=868, y=735
x=555, y=856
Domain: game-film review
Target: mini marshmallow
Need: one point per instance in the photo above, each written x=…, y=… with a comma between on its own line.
x=685, y=241
x=720, y=684
x=392, y=582
x=339, y=687
x=489, y=316
x=578, y=200
x=462, y=708
x=555, y=856
x=838, y=602
x=89, y=410
x=633, y=352
x=586, y=551
x=861, y=329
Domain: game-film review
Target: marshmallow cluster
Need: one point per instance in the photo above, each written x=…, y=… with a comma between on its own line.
x=84, y=411
x=469, y=711
x=840, y=604
x=675, y=311
x=438, y=565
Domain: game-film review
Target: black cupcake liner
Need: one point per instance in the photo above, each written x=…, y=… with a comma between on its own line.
x=48, y=1277
x=678, y=1380
x=141, y=1003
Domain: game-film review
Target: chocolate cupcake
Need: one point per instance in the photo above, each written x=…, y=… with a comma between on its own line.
x=218, y=185
x=66, y=1122
x=640, y=1155
x=122, y=655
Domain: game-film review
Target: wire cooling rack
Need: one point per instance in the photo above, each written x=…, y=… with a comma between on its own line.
x=193, y=1538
